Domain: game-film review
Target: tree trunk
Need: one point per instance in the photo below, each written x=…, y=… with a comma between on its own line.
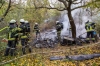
x=73, y=27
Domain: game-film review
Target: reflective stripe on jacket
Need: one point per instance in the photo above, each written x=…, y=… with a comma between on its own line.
x=23, y=37
x=10, y=39
x=89, y=28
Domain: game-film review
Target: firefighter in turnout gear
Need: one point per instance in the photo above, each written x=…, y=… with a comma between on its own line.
x=27, y=24
x=59, y=27
x=11, y=35
x=17, y=37
x=37, y=30
x=94, y=32
x=89, y=26
x=23, y=35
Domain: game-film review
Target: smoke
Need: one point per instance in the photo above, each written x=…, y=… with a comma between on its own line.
x=78, y=17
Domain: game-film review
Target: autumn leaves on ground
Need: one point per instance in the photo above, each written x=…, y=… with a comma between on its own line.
x=40, y=56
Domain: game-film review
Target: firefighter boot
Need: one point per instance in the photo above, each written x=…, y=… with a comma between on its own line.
x=30, y=50
x=12, y=51
x=6, y=52
x=23, y=50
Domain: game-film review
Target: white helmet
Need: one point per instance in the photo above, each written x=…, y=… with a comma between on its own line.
x=57, y=21
x=12, y=21
x=26, y=21
x=22, y=20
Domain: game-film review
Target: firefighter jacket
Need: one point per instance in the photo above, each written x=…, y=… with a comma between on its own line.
x=36, y=28
x=59, y=26
x=12, y=32
x=23, y=31
x=90, y=26
x=27, y=27
x=93, y=25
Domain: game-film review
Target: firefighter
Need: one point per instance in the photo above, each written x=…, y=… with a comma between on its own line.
x=93, y=24
x=27, y=24
x=23, y=35
x=59, y=27
x=37, y=30
x=11, y=39
x=17, y=37
x=89, y=26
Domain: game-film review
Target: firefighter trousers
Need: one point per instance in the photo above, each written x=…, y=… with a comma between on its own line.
x=58, y=35
x=90, y=34
x=23, y=43
x=10, y=49
x=37, y=34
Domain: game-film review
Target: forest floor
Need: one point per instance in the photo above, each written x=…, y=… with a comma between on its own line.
x=40, y=56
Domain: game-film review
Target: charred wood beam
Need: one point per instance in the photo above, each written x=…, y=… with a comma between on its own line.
x=6, y=12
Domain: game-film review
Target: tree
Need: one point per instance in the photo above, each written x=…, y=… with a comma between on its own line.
x=6, y=11
x=68, y=6
x=1, y=3
x=28, y=12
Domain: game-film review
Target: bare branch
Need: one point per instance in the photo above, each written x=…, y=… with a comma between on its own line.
x=82, y=5
x=61, y=0
x=67, y=0
x=51, y=8
x=6, y=12
x=1, y=5
x=74, y=0
x=64, y=2
x=78, y=7
x=16, y=6
x=77, y=2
